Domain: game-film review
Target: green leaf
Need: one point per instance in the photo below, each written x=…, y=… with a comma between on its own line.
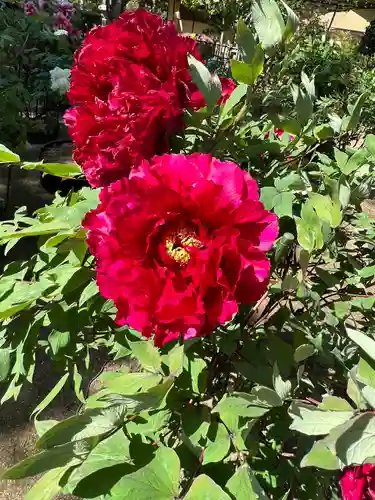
x=51, y=395
x=175, y=360
x=355, y=112
x=111, y=451
x=58, y=340
x=60, y=456
x=321, y=455
x=370, y=144
x=292, y=22
x=7, y=156
x=37, y=229
x=90, y=291
x=248, y=73
x=356, y=161
x=42, y=426
x=312, y=421
x=365, y=373
x=197, y=369
x=195, y=425
x=282, y=387
x=356, y=444
x=158, y=480
x=341, y=159
x=96, y=422
x=303, y=352
x=323, y=132
x=57, y=169
x=267, y=196
x=283, y=204
x=367, y=272
x=243, y=485
x=235, y=97
x=5, y=358
x=245, y=41
x=48, y=486
x=268, y=22
x=334, y=403
x=342, y=309
x=208, y=84
x=204, y=488
x=363, y=341
x=218, y=444
x=147, y=354
x=326, y=209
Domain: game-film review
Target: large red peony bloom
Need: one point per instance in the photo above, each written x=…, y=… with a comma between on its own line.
x=180, y=243
x=358, y=483
x=130, y=85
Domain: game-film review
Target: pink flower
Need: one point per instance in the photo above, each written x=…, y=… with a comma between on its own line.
x=358, y=482
x=29, y=8
x=180, y=244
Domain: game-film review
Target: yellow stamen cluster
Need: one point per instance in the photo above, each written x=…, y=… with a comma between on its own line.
x=176, y=243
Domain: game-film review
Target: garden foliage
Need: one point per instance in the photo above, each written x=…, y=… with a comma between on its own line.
x=276, y=403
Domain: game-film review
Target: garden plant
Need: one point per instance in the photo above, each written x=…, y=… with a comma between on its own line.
x=223, y=255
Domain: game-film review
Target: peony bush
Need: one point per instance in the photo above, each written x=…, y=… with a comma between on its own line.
x=223, y=257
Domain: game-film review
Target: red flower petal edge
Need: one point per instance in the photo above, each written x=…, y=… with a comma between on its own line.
x=180, y=244
x=358, y=482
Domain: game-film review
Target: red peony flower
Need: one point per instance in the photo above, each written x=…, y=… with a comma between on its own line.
x=130, y=85
x=180, y=244
x=29, y=8
x=358, y=483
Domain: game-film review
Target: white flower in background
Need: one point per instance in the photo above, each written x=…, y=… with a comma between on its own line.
x=60, y=80
x=60, y=33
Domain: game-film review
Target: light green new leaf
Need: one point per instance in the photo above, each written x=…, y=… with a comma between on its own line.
x=268, y=22
x=283, y=204
x=367, y=272
x=147, y=354
x=204, y=488
x=7, y=156
x=158, y=480
x=56, y=169
x=313, y=421
x=5, y=358
x=48, y=486
x=363, y=341
x=243, y=485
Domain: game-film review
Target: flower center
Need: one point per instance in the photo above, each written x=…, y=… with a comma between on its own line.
x=178, y=243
